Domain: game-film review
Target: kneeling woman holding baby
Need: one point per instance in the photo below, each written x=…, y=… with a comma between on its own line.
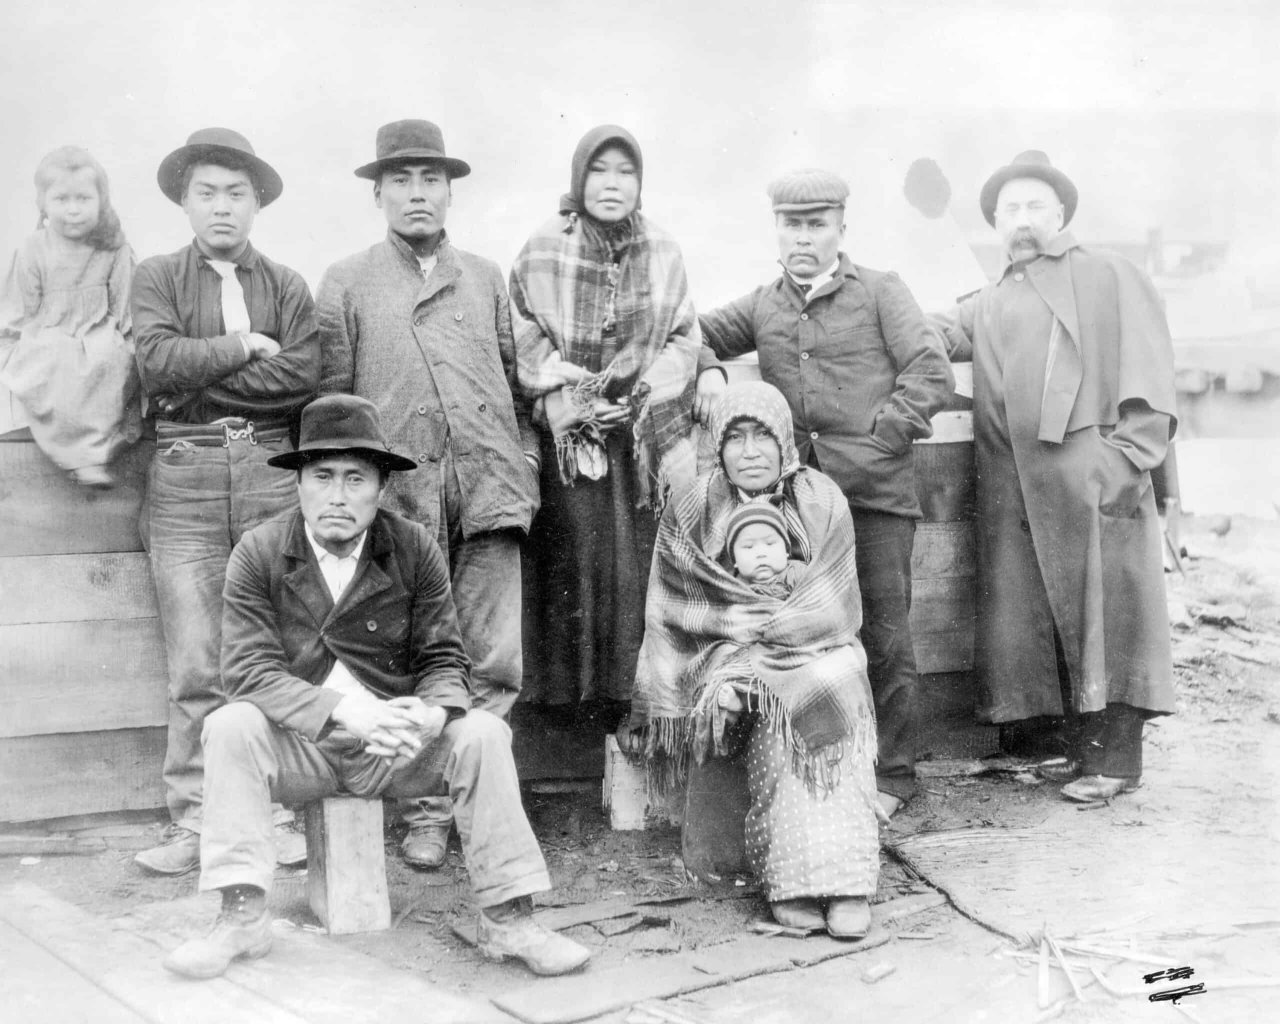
x=748, y=644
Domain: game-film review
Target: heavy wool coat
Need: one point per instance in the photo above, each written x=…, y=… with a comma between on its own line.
x=860, y=367
x=394, y=627
x=437, y=358
x=1073, y=406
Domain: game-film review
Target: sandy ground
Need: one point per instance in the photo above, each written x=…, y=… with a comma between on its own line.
x=1188, y=865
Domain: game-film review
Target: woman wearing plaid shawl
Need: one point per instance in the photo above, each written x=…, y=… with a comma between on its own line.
x=606, y=343
x=811, y=832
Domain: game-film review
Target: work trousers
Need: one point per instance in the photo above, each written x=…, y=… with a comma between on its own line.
x=484, y=574
x=250, y=761
x=883, y=555
x=200, y=501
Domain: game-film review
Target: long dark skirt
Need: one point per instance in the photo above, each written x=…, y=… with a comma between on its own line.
x=586, y=574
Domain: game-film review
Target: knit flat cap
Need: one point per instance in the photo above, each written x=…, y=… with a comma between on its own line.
x=808, y=189
x=757, y=511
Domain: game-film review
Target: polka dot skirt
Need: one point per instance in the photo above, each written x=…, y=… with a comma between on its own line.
x=800, y=844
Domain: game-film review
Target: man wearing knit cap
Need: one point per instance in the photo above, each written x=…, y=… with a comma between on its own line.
x=228, y=354
x=423, y=330
x=863, y=373
x=1073, y=405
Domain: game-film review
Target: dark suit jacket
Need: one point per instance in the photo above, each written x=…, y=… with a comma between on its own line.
x=394, y=627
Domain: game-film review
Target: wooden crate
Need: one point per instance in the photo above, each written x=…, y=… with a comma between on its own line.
x=82, y=666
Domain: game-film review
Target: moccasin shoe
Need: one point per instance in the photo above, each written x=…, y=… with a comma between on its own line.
x=805, y=914
x=522, y=938
x=1058, y=769
x=1090, y=789
x=425, y=845
x=848, y=917
x=178, y=852
x=235, y=936
x=291, y=845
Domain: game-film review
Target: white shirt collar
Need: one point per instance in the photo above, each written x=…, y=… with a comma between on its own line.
x=818, y=280
x=322, y=553
x=337, y=572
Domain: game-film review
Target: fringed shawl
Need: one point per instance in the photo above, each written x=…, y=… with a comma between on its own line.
x=570, y=282
x=703, y=625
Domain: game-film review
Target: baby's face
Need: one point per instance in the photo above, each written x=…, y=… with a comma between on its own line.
x=759, y=552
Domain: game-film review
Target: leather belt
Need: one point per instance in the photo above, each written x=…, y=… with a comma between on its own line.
x=218, y=435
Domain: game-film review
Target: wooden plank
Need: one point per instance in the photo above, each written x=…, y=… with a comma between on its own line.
x=327, y=982
x=43, y=513
x=944, y=479
x=37, y=986
x=942, y=620
x=713, y=840
x=75, y=588
x=127, y=967
x=82, y=677
x=347, y=865
x=591, y=993
x=944, y=549
x=81, y=773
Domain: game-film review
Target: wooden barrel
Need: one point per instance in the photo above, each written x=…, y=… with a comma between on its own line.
x=943, y=596
x=82, y=664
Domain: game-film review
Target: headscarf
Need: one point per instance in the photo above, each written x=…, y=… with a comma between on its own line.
x=592, y=145
x=798, y=656
x=612, y=299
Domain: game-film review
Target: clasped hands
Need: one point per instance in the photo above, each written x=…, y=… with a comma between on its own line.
x=395, y=729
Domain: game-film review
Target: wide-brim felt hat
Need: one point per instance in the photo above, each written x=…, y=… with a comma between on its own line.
x=206, y=146
x=341, y=425
x=412, y=141
x=1029, y=164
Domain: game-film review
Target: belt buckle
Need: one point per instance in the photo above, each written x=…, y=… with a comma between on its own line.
x=244, y=434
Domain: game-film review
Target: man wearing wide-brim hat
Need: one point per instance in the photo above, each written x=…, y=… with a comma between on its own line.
x=346, y=673
x=1073, y=407
x=864, y=374
x=423, y=330
x=228, y=353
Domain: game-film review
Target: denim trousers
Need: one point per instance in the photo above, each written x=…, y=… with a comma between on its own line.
x=200, y=501
x=251, y=761
x=883, y=554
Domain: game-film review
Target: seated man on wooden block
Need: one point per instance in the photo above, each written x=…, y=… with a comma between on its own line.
x=346, y=673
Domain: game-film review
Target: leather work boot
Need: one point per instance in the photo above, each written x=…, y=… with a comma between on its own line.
x=178, y=852
x=425, y=845
x=848, y=917
x=511, y=932
x=242, y=931
x=1091, y=788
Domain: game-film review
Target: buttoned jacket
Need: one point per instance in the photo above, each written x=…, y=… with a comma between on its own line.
x=859, y=365
x=437, y=358
x=394, y=626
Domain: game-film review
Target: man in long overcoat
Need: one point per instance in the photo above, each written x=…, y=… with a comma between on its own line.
x=1073, y=407
x=423, y=330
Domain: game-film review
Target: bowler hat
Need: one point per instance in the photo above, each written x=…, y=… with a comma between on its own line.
x=207, y=146
x=1030, y=164
x=759, y=510
x=412, y=141
x=341, y=425
x=808, y=189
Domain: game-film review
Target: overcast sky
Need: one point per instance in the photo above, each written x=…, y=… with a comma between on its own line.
x=721, y=95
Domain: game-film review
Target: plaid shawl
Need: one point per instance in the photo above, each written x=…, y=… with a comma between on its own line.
x=805, y=669
x=573, y=279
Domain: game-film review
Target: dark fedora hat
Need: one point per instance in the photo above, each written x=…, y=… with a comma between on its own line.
x=209, y=145
x=402, y=142
x=341, y=425
x=1030, y=164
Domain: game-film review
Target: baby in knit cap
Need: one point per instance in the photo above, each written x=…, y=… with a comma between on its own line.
x=756, y=539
